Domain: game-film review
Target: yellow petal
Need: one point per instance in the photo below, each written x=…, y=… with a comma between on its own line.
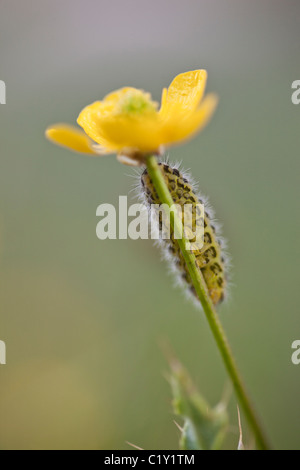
x=90, y=120
x=163, y=99
x=127, y=117
x=144, y=133
x=185, y=92
x=115, y=132
x=71, y=138
x=181, y=127
x=115, y=96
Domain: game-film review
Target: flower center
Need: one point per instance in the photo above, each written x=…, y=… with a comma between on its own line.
x=136, y=103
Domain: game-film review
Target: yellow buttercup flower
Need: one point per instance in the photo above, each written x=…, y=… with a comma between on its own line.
x=127, y=122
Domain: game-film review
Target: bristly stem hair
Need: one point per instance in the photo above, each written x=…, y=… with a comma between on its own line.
x=207, y=305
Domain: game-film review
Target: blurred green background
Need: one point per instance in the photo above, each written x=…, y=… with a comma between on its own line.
x=83, y=319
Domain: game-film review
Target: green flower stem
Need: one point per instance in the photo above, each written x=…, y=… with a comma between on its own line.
x=208, y=307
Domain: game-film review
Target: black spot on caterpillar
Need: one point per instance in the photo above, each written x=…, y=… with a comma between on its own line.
x=209, y=258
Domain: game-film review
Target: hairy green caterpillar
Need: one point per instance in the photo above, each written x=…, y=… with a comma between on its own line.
x=209, y=257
